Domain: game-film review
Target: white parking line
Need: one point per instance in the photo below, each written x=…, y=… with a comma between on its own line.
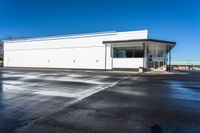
x=98, y=89
x=87, y=93
x=78, y=95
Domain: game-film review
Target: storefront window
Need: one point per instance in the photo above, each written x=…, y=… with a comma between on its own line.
x=127, y=53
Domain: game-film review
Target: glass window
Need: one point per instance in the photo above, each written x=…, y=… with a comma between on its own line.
x=138, y=54
x=121, y=54
x=128, y=53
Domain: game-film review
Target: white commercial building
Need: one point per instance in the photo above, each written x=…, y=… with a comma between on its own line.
x=105, y=51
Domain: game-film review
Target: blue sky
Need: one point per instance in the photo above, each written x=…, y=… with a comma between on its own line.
x=174, y=20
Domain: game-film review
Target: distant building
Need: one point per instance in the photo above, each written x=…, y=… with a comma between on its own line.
x=104, y=51
x=186, y=65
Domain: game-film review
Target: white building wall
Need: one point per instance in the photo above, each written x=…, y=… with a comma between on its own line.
x=127, y=62
x=79, y=52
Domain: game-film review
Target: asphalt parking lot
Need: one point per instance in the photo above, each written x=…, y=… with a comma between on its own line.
x=33, y=101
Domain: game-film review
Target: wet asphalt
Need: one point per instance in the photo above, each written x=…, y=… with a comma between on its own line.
x=33, y=101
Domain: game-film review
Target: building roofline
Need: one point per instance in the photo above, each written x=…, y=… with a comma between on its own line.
x=63, y=36
x=71, y=36
x=141, y=40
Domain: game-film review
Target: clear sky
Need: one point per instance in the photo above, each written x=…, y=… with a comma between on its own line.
x=173, y=20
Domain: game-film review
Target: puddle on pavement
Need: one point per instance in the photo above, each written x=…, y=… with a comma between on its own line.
x=182, y=90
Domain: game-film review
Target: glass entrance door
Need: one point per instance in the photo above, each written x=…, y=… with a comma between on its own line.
x=156, y=55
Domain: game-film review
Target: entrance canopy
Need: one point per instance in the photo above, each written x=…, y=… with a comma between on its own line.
x=154, y=52
x=139, y=41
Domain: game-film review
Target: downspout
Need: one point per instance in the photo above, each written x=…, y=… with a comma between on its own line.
x=105, y=55
x=111, y=57
x=143, y=55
